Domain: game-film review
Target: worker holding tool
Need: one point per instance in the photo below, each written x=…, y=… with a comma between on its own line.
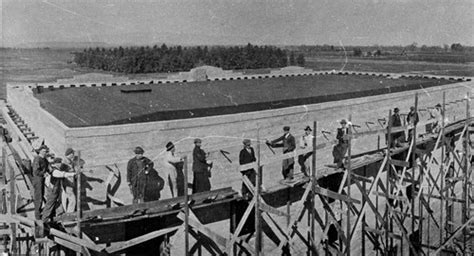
x=40, y=168
x=246, y=156
x=201, y=169
x=288, y=144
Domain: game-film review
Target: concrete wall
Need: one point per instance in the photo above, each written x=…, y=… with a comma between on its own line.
x=42, y=123
x=109, y=145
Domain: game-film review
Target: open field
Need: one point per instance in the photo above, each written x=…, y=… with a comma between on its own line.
x=48, y=65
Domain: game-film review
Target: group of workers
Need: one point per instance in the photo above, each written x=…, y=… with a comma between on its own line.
x=146, y=185
x=55, y=178
x=57, y=175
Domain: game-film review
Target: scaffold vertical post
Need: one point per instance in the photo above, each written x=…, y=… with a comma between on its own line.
x=349, y=182
x=387, y=179
x=186, y=206
x=441, y=170
x=258, y=232
x=78, y=193
x=466, y=180
x=12, y=208
x=313, y=187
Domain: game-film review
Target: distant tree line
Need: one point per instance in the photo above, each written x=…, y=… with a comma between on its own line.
x=163, y=58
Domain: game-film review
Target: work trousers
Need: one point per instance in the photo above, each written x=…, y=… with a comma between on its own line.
x=52, y=201
x=252, y=175
x=38, y=189
x=302, y=161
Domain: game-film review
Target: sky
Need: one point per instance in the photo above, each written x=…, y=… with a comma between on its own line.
x=217, y=22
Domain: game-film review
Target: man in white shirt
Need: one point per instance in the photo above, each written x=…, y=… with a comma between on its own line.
x=171, y=173
x=306, y=142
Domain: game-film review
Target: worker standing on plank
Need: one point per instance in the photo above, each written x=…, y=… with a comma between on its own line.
x=306, y=142
x=412, y=121
x=247, y=156
x=40, y=168
x=201, y=166
x=396, y=121
x=171, y=172
x=68, y=196
x=288, y=144
x=137, y=170
x=340, y=149
x=53, y=187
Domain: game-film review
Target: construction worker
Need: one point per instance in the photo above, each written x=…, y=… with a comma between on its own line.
x=437, y=115
x=306, y=142
x=340, y=149
x=288, y=144
x=137, y=170
x=412, y=121
x=171, y=171
x=68, y=197
x=53, y=187
x=40, y=168
x=396, y=121
x=201, y=169
x=246, y=156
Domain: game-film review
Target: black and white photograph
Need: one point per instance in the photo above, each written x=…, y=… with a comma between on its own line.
x=237, y=127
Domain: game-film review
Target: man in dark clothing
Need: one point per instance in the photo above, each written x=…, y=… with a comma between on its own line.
x=412, y=121
x=288, y=144
x=201, y=172
x=40, y=167
x=246, y=156
x=138, y=170
x=340, y=149
x=53, y=187
x=397, y=137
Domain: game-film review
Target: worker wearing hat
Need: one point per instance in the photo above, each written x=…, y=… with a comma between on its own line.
x=412, y=121
x=173, y=186
x=40, y=168
x=306, y=142
x=68, y=197
x=340, y=149
x=247, y=156
x=437, y=115
x=287, y=142
x=396, y=121
x=138, y=169
x=53, y=187
x=201, y=169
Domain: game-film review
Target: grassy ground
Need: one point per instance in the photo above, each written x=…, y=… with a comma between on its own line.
x=47, y=65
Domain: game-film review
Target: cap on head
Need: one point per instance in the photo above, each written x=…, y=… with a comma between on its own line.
x=69, y=151
x=396, y=110
x=197, y=140
x=246, y=142
x=412, y=108
x=308, y=128
x=286, y=128
x=438, y=105
x=169, y=146
x=57, y=160
x=139, y=151
x=43, y=147
x=343, y=121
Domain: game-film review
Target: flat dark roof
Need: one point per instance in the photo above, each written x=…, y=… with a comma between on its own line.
x=96, y=106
